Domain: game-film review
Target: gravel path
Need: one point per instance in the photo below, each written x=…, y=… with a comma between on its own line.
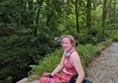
x=104, y=69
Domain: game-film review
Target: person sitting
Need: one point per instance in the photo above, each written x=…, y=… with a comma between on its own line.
x=69, y=65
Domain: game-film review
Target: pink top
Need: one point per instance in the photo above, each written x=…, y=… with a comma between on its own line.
x=68, y=65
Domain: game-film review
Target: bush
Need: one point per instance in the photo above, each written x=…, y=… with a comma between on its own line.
x=115, y=36
x=47, y=64
x=23, y=51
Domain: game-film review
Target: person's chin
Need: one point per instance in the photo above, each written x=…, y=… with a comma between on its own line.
x=65, y=49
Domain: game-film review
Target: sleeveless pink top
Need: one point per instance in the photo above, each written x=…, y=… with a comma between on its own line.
x=68, y=65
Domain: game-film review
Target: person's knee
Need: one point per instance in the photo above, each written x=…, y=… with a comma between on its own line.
x=42, y=79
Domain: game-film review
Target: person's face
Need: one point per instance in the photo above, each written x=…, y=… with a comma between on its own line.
x=66, y=44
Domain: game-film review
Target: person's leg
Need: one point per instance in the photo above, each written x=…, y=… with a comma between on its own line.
x=44, y=80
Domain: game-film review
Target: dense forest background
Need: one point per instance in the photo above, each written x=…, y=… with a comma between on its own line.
x=29, y=29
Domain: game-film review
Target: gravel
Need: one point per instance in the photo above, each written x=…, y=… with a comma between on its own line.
x=104, y=69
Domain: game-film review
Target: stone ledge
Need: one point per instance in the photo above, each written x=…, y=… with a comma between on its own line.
x=25, y=80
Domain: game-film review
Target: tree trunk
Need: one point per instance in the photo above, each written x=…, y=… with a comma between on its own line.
x=88, y=15
x=104, y=14
x=30, y=16
x=77, y=20
x=49, y=18
x=37, y=18
x=110, y=8
x=114, y=9
x=20, y=20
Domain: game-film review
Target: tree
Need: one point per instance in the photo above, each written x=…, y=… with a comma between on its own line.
x=104, y=14
x=88, y=14
x=76, y=12
x=40, y=2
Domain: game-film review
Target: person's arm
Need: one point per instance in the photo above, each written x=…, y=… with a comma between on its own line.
x=59, y=67
x=78, y=66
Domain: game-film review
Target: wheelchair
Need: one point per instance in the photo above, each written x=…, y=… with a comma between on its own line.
x=74, y=77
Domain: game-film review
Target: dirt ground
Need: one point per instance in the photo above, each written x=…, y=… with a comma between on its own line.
x=104, y=69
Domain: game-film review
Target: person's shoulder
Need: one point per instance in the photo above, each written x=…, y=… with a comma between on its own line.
x=75, y=54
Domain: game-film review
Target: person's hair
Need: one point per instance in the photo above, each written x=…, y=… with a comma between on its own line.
x=71, y=38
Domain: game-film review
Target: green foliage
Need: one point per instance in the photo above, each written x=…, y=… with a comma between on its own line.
x=101, y=46
x=94, y=36
x=113, y=30
x=6, y=31
x=4, y=72
x=15, y=50
x=23, y=50
x=115, y=37
x=47, y=64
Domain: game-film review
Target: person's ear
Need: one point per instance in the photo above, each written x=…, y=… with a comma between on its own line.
x=73, y=45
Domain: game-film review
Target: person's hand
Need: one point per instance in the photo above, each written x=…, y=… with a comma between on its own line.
x=47, y=75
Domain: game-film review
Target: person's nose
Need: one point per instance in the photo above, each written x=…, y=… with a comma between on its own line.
x=64, y=45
